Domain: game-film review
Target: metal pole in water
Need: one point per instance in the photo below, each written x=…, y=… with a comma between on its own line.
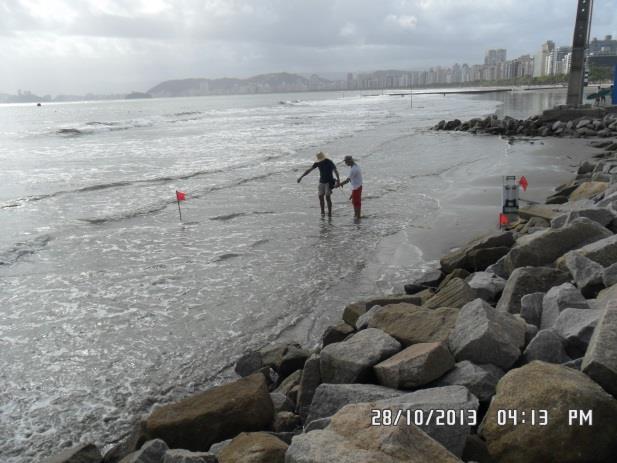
x=579, y=45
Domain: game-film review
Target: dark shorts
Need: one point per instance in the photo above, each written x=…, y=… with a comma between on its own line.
x=356, y=197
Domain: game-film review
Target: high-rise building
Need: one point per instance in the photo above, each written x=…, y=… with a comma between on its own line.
x=494, y=56
x=542, y=62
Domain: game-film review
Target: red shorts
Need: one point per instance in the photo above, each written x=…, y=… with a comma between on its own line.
x=356, y=197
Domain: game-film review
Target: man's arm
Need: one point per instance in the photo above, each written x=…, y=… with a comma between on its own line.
x=308, y=171
x=338, y=179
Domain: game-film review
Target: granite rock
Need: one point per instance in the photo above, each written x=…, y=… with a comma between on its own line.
x=87, y=453
x=350, y=438
x=255, y=447
x=576, y=327
x=481, y=380
x=546, y=246
x=414, y=366
x=484, y=335
x=352, y=360
x=455, y=398
x=531, y=308
x=200, y=420
x=527, y=280
x=558, y=389
x=547, y=346
x=330, y=398
x=559, y=298
x=410, y=324
x=485, y=285
x=600, y=361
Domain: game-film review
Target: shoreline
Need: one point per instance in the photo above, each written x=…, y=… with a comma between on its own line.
x=287, y=390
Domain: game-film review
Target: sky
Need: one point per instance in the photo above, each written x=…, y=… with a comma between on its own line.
x=117, y=46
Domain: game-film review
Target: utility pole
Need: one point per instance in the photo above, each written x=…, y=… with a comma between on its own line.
x=579, y=45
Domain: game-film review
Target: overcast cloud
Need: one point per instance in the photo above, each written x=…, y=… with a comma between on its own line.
x=108, y=46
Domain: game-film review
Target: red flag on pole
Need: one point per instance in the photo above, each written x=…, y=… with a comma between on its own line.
x=180, y=196
x=503, y=219
x=523, y=182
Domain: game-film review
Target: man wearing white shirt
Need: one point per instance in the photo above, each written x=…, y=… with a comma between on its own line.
x=355, y=178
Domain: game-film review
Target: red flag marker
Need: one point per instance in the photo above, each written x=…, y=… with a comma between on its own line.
x=180, y=196
x=523, y=183
x=503, y=219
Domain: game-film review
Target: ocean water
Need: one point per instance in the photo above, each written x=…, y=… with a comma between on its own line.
x=110, y=304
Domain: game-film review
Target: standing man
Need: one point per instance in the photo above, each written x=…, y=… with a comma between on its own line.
x=326, y=180
x=355, y=178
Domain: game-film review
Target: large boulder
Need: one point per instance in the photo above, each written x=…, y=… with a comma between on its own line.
x=558, y=299
x=541, y=396
x=460, y=257
x=586, y=273
x=480, y=259
x=531, y=308
x=437, y=401
x=152, y=451
x=609, y=275
x=603, y=251
x=486, y=285
x=87, y=453
x=353, y=311
x=410, y=324
x=484, y=335
x=415, y=366
x=336, y=333
x=330, y=398
x=604, y=297
x=546, y=246
x=527, y=280
x=455, y=294
x=255, y=447
x=282, y=358
x=351, y=438
x=598, y=214
x=311, y=378
x=576, y=326
x=281, y=402
x=547, y=346
x=127, y=445
x=429, y=279
x=600, y=361
x=184, y=456
x=352, y=360
x=481, y=380
x=200, y=420
x=363, y=319
x=587, y=190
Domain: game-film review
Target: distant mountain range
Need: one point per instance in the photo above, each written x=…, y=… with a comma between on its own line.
x=264, y=83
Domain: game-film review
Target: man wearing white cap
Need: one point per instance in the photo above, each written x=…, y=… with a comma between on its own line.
x=326, y=180
x=355, y=178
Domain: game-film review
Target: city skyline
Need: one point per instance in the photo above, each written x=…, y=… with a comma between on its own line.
x=550, y=59
x=116, y=46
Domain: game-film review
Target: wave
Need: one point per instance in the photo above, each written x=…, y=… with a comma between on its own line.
x=229, y=255
x=149, y=181
x=224, y=218
x=234, y=215
x=187, y=113
x=94, y=127
x=163, y=204
x=22, y=249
